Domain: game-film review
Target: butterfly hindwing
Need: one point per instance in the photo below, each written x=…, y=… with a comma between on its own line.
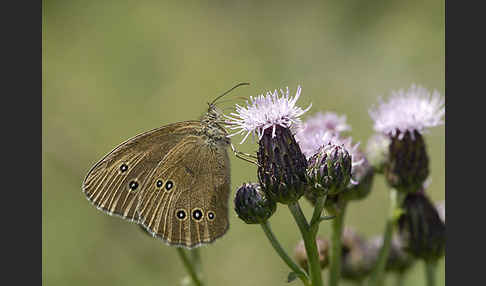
x=194, y=208
x=115, y=183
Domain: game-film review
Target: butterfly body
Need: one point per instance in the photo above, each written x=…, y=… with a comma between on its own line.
x=174, y=181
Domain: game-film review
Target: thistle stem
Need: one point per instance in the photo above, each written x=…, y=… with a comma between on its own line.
x=336, y=248
x=309, y=242
x=400, y=278
x=316, y=216
x=396, y=199
x=196, y=259
x=281, y=252
x=430, y=271
x=188, y=264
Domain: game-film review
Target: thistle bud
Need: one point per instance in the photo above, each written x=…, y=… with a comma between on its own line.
x=335, y=204
x=421, y=229
x=357, y=259
x=362, y=179
x=408, y=164
x=251, y=204
x=300, y=254
x=398, y=260
x=329, y=169
x=282, y=165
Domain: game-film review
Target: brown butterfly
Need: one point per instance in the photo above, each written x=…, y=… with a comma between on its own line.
x=174, y=180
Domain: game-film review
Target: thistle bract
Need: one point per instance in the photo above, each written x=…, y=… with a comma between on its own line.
x=329, y=170
x=251, y=204
x=282, y=166
x=362, y=176
x=398, y=260
x=421, y=229
x=407, y=167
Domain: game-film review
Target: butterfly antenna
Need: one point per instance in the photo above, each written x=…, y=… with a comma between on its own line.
x=231, y=99
x=228, y=91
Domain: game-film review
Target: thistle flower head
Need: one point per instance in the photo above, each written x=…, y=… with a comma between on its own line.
x=329, y=170
x=362, y=176
x=251, y=204
x=344, y=146
x=413, y=110
x=398, y=260
x=407, y=165
x=420, y=227
x=357, y=259
x=266, y=111
x=310, y=133
x=281, y=166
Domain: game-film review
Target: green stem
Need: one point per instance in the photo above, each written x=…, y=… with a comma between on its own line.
x=281, y=252
x=378, y=274
x=309, y=243
x=189, y=266
x=430, y=270
x=196, y=259
x=400, y=277
x=316, y=216
x=336, y=248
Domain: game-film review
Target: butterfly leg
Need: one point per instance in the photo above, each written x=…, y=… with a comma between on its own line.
x=244, y=156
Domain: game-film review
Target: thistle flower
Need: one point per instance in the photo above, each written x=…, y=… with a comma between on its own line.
x=357, y=258
x=251, y=204
x=398, y=260
x=300, y=254
x=377, y=151
x=410, y=111
x=267, y=111
x=281, y=164
x=404, y=118
x=310, y=133
x=420, y=227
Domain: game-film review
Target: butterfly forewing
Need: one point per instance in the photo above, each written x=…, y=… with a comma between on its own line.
x=116, y=182
x=193, y=209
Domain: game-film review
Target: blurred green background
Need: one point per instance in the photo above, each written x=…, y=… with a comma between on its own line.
x=113, y=69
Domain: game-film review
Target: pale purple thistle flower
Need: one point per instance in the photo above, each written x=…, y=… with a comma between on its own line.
x=267, y=111
x=413, y=110
x=310, y=133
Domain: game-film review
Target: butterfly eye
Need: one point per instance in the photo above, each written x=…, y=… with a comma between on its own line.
x=169, y=185
x=159, y=183
x=211, y=215
x=181, y=214
x=123, y=168
x=133, y=185
x=197, y=214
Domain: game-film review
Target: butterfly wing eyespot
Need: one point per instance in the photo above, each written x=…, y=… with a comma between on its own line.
x=206, y=188
x=169, y=185
x=211, y=215
x=115, y=183
x=197, y=214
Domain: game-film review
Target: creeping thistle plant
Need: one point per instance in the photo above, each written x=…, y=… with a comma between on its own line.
x=316, y=160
